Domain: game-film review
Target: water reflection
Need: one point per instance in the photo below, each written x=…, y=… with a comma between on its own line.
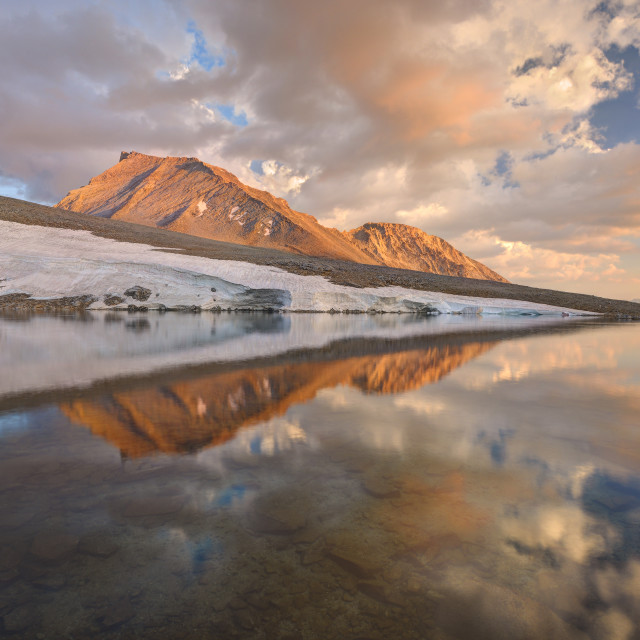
x=194, y=414
x=60, y=352
x=478, y=485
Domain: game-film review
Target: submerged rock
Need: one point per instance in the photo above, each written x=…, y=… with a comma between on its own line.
x=153, y=506
x=352, y=556
x=50, y=582
x=379, y=487
x=378, y=592
x=11, y=556
x=8, y=576
x=118, y=613
x=97, y=545
x=278, y=514
x=20, y=619
x=52, y=547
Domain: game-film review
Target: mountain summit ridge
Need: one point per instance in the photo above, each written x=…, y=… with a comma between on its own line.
x=188, y=195
x=406, y=247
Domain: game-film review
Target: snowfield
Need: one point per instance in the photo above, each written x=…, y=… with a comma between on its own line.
x=49, y=263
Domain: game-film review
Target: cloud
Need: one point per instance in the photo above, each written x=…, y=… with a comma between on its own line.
x=366, y=110
x=522, y=262
x=276, y=177
x=423, y=214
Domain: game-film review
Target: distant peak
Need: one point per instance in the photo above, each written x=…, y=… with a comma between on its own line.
x=389, y=227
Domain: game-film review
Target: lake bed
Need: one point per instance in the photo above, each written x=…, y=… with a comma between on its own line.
x=318, y=476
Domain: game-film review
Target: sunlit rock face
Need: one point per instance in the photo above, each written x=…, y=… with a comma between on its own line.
x=190, y=196
x=207, y=411
x=405, y=247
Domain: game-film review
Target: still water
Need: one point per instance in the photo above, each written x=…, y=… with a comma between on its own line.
x=319, y=477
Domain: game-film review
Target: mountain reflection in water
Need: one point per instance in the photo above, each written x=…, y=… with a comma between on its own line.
x=481, y=483
x=207, y=411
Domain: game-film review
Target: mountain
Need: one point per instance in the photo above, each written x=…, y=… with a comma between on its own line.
x=191, y=196
x=405, y=247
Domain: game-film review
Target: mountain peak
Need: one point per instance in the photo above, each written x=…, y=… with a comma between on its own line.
x=188, y=195
x=405, y=247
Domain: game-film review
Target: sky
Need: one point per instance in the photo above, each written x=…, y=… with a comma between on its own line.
x=509, y=128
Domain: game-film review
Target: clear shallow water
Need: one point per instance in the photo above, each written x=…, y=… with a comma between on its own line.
x=467, y=480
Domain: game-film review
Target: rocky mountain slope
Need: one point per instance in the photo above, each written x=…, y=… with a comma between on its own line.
x=405, y=247
x=190, y=196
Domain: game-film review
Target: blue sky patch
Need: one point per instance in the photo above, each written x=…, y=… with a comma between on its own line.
x=256, y=167
x=200, y=51
x=12, y=188
x=619, y=119
x=502, y=169
x=503, y=164
x=230, y=114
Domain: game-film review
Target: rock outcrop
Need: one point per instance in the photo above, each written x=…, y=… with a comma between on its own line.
x=190, y=196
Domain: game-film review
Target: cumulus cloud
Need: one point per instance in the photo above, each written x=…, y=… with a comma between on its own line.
x=423, y=213
x=279, y=178
x=522, y=262
x=358, y=111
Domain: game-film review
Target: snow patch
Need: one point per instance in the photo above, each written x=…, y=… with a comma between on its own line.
x=236, y=216
x=202, y=207
x=50, y=262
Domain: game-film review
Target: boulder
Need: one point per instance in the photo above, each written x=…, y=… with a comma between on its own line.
x=138, y=293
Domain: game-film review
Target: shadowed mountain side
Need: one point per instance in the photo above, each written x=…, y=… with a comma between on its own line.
x=207, y=411
x=191, y=196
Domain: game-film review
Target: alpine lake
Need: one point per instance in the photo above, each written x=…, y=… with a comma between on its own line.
x=317, y=476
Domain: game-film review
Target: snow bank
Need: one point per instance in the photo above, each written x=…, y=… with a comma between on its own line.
x=50, y=263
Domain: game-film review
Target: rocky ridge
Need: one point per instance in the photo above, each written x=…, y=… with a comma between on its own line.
x=193, y=197
x=406, y=247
